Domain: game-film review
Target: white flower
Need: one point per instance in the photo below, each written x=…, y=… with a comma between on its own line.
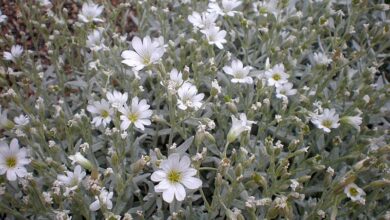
x=72, y=178
x=327, y=120
x=239, y=72
x=214, y=36
x=175, y=80
x=276, y=76
x=90, y=12
x=117, y=99
x=188, y=97
x=21, y=120
x=238, y=126
x=204, y=20
x=3, y=18
x=14, y=54
x=175, y=173
x=228, y=7
x=12, y=160
x=80, y=159
x=102, y=112
x=321, y=59
x=355, y=193
x=103, y=199
x=95, y=41
x=267, y=7
x=284, y=90
x=354, y=121
x=146, y=53
x=215, y=87
x=138, y=114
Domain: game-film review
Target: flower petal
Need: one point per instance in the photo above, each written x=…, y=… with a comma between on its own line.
x=168, y=194
x=192, y=182
x=158, y=176
x=180, y=192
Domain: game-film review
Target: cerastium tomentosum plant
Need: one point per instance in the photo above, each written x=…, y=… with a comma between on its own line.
x=180, y=109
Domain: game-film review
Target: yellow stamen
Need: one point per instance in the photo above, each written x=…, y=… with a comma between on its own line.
x=327, y=123
x=133, y=117
x=353, y=191
x=276, y=76
x=10, y=162
x=174, y=176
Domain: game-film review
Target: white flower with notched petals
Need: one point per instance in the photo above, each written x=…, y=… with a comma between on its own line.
x=146, y=52
x=104, y=198
x=174, y=175
x=227, y=8
x=276, y=76
x=90, y=12
x=14, y=54
x=95, y=41
x=3, y=18
x=267, y=7
x=284, y=90
x=117, y=99
x=102, y=112
x=189, y=97
x=214, y=36
x=321, y=59
x=239, y=72
x=21, y=120
x=138, y=114
x=72, y=179
x=327, y=120
x=355, y=193
x=175, y=80
x=13, y=160
x=239, y=126
x=204, y=20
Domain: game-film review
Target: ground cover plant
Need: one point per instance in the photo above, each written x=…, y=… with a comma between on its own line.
x=180, y=109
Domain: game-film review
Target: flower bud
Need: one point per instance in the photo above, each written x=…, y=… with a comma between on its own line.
x=231, y=107
x=80, y=159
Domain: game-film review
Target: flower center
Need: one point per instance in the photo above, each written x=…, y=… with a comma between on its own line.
x=353, y=192
x=327, y=123
x=146, y=60
x=74, y=181
x=11, y=162
x=133, y=117
x=276, y=76
x=105, y=114
x=239, y=75
x=174, y=176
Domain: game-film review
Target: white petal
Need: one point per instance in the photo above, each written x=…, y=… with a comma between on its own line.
x=94, y=206
x=192, y=182
x=125, y=124
x=180, y=192
x=185, y=162
x=11, y=174
x=21, y=171
x=158, y=176
x=162, y=186
x=168, y=194
x=139, y=125
x=189, y=172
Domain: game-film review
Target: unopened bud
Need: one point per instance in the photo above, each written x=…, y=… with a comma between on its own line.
x=231, y=107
